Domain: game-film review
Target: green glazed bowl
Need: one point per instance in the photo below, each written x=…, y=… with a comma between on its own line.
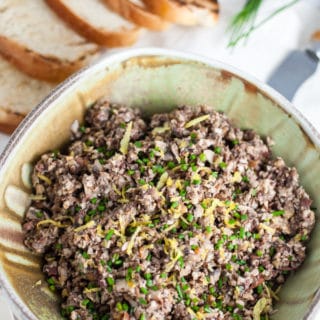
x=156, y=81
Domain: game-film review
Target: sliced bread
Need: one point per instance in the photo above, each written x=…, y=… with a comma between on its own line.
x=137, y=12
x=18, y=95
x=38, y=42
x=94, y=21
x=186, y=12
x=316, y=35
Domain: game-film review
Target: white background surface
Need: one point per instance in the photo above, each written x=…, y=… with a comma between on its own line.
x=259, y=56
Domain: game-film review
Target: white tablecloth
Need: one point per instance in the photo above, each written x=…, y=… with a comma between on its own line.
x=259, y=56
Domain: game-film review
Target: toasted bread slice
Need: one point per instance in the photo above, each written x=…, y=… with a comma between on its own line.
x=316, y=36
x=137, y=12
x=186, y=12
x=94, y=21
x=38, y=42
x=18, y=95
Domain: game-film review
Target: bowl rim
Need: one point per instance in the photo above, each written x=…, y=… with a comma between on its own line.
x=119, y=57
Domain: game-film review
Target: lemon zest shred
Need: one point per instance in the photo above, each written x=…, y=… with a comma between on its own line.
x=162, y=181
x=91, y=290
x=88, y=225
x=196, y=121
x=100, y=232
x=169, y=182
x=116, y=190
x=50, y=221
x=37, y=197
x=160, y=130
x=44, y=178
x=132, y=240
x=204, y=169
x=267, y=228
x=236, y=177
x=259, y=307
x=124, y=143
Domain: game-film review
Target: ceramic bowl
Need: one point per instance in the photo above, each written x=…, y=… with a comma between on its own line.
x=156, y=81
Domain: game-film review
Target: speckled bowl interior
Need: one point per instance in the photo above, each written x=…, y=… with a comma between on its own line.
x=156, y=81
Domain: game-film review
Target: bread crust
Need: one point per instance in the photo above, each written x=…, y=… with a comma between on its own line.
x=137, y=14
x=176, y=12
x=316, y=35
x=9, y=120
x=36, y=65
x=104, y=38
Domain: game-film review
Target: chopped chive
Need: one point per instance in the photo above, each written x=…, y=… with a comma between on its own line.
x=148, y=276
x=92, y=212
x=212, y=290
x=217, y=150
x=237, y=215
x=190, y=217
x=94, y=200
x=208, y=229
x=86, y=255
x=158, y=169
x=196, y=181
x=141, y=182
x=202, y=157
x=207, y=309
x=222, y=165
x=183, y=193
x=144, y=290
x=179, y=291
x=101, y=207
x=39, y=214
x=163, y=275
x=138, y=144
x=184, y=167
x=151, y=154
x=304, y=237
x=143, y=301
x=214, y=174
x=245, y=179
x=149, y=283
x=181, y=262
x=58, y=246
x=85, y=302
x=259, y=253
x=110, y=281
x=257, y=236
x=171, y=164
x=129, y=274
x=278, y=213
x=130, y=172
x=235, y=142
x=109, y=234
x=259, y=288
x=119, y=306
x=242, y=233
x=174, y=204
x=243, y=217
